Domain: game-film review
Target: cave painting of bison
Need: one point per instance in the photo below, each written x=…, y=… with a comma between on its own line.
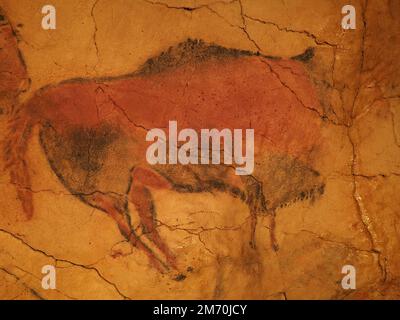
x=95, y=133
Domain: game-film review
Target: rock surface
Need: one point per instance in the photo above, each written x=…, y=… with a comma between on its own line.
x=356, y=110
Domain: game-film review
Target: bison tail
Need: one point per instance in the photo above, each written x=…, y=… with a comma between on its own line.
x=15, y=146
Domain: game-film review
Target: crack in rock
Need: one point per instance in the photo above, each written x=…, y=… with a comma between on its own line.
x=91, y=267
x=362, y=211
x=308, y=34
x=95, y=32
x=18, y=279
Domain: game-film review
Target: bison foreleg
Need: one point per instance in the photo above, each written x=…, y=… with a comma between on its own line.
x=140, y=196
x=106, y=203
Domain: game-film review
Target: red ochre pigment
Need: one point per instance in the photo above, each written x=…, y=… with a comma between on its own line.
x=274, y=97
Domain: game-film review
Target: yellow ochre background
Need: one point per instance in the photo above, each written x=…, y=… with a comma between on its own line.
x=357, y=221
